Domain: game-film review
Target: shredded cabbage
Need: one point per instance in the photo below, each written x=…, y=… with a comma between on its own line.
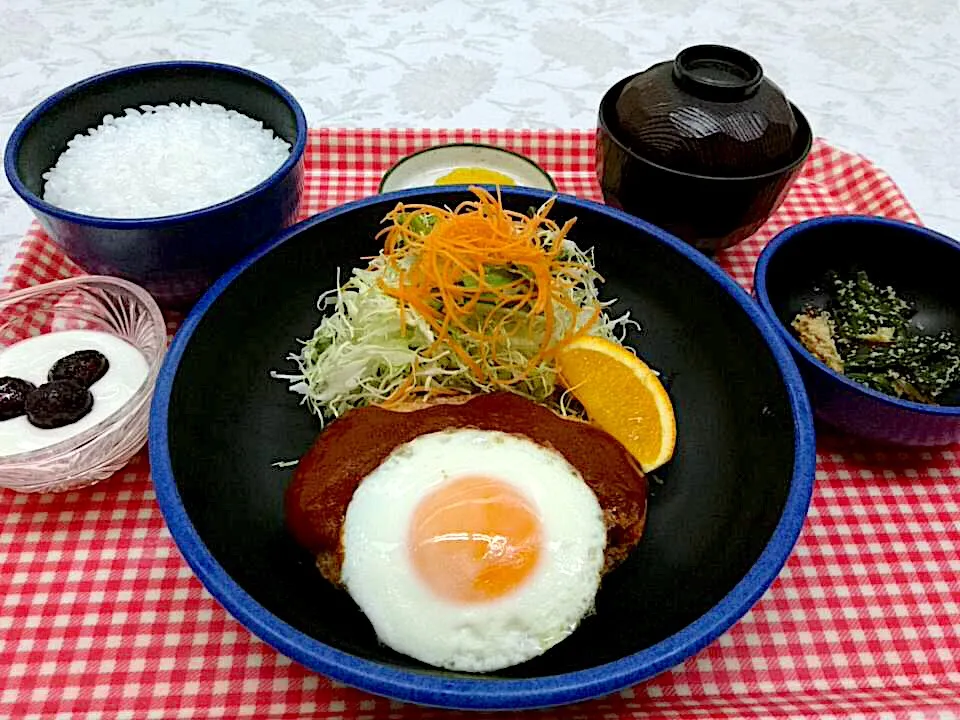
x=360, y=355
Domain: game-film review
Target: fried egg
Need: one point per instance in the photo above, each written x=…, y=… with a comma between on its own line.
x=473, y=550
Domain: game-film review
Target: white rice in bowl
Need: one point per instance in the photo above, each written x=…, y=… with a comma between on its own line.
x=163, y=160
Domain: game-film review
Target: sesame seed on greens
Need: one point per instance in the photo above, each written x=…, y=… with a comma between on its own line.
x=877, y=344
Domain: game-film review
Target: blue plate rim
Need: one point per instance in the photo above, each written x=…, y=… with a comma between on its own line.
x=37, y=203
x=760, y=290
x=480, y=693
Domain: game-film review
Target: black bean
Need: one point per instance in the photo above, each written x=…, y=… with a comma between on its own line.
x=58, y=403
x=13, y=396
x=84, y=367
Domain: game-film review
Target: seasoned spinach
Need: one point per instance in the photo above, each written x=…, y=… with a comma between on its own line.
x=877, y=345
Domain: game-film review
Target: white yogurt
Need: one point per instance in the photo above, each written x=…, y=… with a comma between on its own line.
x=32, y=359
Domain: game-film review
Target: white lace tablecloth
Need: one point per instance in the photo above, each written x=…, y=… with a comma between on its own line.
x=879, y=78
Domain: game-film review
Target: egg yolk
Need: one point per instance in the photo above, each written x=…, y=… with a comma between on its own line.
x=469, y=175
x=474, y=539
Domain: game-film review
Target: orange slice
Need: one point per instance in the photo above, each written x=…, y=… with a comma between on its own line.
x=621, y=395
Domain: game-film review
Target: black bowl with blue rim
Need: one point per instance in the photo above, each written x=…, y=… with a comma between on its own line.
x=722, y=519
x=922, y=266
x=175, y=257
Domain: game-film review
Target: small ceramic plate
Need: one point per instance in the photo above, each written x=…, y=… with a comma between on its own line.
x=471, y=163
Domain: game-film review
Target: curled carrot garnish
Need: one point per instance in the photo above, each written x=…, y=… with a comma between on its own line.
x=493, y=285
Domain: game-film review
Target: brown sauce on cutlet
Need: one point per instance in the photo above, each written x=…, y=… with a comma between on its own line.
x=354, y=445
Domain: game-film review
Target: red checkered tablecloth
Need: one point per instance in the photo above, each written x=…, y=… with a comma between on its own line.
x=100, y=616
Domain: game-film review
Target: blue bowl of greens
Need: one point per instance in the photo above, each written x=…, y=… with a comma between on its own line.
x=870, y=308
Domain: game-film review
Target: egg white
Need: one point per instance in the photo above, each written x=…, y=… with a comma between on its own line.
x=476, y=637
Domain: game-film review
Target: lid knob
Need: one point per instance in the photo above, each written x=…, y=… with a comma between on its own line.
x=717, y=72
